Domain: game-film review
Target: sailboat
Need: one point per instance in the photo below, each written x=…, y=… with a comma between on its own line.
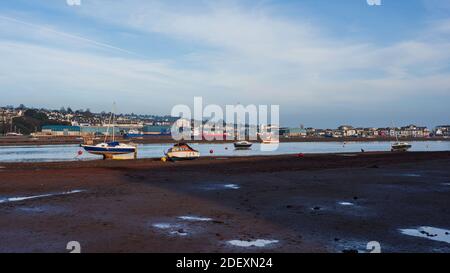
x=109, y=150
x=400, y=146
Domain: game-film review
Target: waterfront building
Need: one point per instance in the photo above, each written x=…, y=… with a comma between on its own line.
x=442, y=130
x=60, y=130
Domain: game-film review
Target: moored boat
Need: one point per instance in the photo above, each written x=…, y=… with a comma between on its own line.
x=133, y=134
x=109, y=149
x=182, y=151
x=112, y=149
x=400, y=147
x=270, y=141
x=242, y=144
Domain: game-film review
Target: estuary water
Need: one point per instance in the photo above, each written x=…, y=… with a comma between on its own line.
x=50, y=153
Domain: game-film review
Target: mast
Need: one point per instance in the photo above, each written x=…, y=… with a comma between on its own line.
x=107, y=130
x=395, y=130
x=113, y=117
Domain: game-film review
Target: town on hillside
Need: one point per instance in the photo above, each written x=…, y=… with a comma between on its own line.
x=17, y=121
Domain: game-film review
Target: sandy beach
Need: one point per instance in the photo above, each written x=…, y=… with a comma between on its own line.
x=315, y=203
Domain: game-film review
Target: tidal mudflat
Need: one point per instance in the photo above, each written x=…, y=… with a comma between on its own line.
x=318, y=203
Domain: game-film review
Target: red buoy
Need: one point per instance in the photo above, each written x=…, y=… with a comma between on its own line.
x=211, y=151
x=80, y=152
x=301, y=155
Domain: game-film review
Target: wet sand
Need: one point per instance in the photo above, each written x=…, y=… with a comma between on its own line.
x=319, y=203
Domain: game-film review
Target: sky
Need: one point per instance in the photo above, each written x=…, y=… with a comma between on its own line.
x=325, y=62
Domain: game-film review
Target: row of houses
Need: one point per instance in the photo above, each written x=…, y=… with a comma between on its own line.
x=410, y=131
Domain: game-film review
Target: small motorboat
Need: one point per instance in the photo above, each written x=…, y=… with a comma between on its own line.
x=270, y=141
x=243, y=144
x=182, y=151
x=400, y=147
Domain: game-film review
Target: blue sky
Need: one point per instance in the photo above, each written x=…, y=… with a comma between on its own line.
x=324, y=62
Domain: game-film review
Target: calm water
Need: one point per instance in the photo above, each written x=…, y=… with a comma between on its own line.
x=48, y=153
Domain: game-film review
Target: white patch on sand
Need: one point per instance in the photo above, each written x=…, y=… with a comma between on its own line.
x=195, y=218
x=257, y=243
x=446, y=184
x=17, y=199
x=435, y=234
x=345, y=203
x=231, y=186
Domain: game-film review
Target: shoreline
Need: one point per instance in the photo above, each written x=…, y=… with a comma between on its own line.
x=156, y=162
x=27, y=141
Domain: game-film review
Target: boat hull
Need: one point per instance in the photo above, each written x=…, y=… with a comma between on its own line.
x=108, y=150
x=400, y=148
x=180, y=156
x=243, y=145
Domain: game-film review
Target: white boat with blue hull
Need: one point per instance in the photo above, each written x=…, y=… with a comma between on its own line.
x=113, y=149
x=109, y=148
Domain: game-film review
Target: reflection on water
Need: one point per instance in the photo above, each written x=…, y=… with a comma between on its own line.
x=46, y=153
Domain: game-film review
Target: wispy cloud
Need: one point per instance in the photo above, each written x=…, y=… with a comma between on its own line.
x=66, y=35
x=235, y=53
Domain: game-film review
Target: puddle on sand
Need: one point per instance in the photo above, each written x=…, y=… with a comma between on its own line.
x=346, y=203
x=194, y=218
x=163, y=225
x=256, y=243
x=173, y=229
x=32, y=209
x=231, y=186
x=215, y=187
x=183, y=225
x=404, y=174
x=445, y=184
x=23, y=198
x=179, y=233
x=44, y=209
x=435, y=234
